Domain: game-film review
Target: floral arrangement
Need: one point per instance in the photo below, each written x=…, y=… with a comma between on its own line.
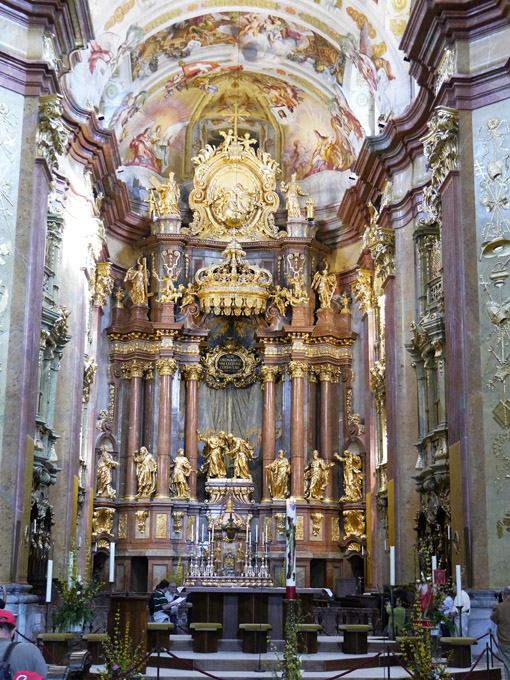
x=288, y=666
x=417, y=650
x=77, y=602
x=122, y=660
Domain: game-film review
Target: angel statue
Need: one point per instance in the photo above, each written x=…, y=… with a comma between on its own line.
x=316, y=477
x=138, y=278
x=146, y=469
x=324, y=283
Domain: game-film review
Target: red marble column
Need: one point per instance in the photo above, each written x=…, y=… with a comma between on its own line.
x=133, y=371
x=328, y=374
x=297, y=371
x=148, y=407
x=192, y=373
x=268, y=376
x=166, y=369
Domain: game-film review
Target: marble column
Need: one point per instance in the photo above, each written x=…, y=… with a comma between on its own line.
x=133, y=371
x=328, y=375
x=268, y=377
x=166, y=369
x=148, y=406
x=297, y=371
x=192, y=374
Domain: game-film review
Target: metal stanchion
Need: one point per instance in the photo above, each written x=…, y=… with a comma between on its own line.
x=459, y=608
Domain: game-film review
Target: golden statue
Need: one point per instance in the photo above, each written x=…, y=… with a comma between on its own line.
x=153, y=208
x=310, y=209
x=316, y=477
x=324, y=283
x=213, y=452
x=146, y=469
x=105, y=464
x=169, y=194
x=353, y=476
x=181, y=471
x=354, y=523
x=188, y=294
x=278, y=473
x=280, y=298
x=241, y=452
x=169, y=293
x=293, y=190
x=138, y=278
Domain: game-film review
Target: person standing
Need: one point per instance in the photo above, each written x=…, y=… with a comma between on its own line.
x=462, y=621
x=501, y=617
x=22, y=656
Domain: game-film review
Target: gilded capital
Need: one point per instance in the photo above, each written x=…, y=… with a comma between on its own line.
x=269, y=374
x=51, y=131
x=297, y=369
x=133, y=369
x=328, y=373
x=192, y=372
x=149, y=371
x=166, y=366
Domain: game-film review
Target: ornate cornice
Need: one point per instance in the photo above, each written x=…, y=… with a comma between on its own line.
x=297, y=369
x=191, y=372
x=166, y=366
x=133, y=369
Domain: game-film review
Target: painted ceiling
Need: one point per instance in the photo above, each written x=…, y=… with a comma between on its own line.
x=309, y=80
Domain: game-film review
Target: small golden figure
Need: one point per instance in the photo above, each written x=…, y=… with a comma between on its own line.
x=169, y=195
x=278, y=473
x=146, y=469
x=105, y=464
x=181, y=471
x=138, y=278
x=316, y=477
x=153, y=209
x=353, y=476
x=293, y=190
x=188, y=294
x=310, y=209
x=324, y=283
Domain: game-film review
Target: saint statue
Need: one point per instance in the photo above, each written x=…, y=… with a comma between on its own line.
x=353, y=476
x=138, y=278
x=146, y=469
x=325, y=284
x=169, y=195
x=181, y=471
x=278, y=473
x=241, y=452
x=105, y=464
x=316, y=477
x=213, y=452
x=293, y=190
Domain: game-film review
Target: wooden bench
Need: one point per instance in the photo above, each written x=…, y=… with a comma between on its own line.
x=254, y=636
x=307, y=637
x=94, y=643
x=158, y=635
x=54, y=645
x=205, y=637
x=460, y=647
x=355, y=638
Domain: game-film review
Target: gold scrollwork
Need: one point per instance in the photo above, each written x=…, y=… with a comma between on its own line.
x=102, y=521
x=141, y=520
x=178, y=518
x=230, y=362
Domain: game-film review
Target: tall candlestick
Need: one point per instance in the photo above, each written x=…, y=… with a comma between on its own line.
x=49, y=580
x=392, y=565
x=290, y=553
x=112, y=563
x=458, y=575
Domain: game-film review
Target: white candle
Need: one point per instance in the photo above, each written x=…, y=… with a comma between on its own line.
x=262, y=539
x=49, y=580
x=392, y=565
x=197, y=527
x=256, y=534
x=212, y=534
x=111, y=578
x=71, y=568
x=434, y=565
x=458, y=575
x=448, y=528
x=203, y=533
x=192, y=532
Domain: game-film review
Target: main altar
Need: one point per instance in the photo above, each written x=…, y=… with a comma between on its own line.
x=231, y=390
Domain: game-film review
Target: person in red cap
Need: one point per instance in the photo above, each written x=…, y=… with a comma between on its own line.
x=24, y=657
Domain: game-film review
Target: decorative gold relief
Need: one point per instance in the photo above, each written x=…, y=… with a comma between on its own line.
x=353, y=477
x=105, y=464
x=166, y=366
x=316, y=518
x=297, y=369
x=296, y=279
x=89, y=371
x=381, y=243
x=178, y=518
x=103, y=284
x=191, y=372
x=168, y=292
x=353, y=419
x=141, y=520
x=328, y=372
x=167, y=202
x=354, y=523
x=102, y=521
x=335, y=530
x=325, y=284
x=146, y=471
x=378, y=383
x=362, y=290
x=122, y=527
x=234, y=191
x=161, y=525
x=268, y=529
x=51, y=132
x=233, y=287
x=133, y=369
x=293, y=191
x=230, y=362
x=269, y=374
x=137, y=277
x=280, y=522
x=300, y=528
x=446, y=67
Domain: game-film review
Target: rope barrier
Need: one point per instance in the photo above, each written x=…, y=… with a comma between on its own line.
x=482, y=636
x=127, y=673
x=356, y=668
x=470, y=671
x=403, y=665
x=190, y=665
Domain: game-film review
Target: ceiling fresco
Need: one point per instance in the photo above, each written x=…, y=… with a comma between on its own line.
x=309, y=81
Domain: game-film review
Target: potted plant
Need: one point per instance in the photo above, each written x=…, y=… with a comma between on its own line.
x=76, y=607
x=122, y=660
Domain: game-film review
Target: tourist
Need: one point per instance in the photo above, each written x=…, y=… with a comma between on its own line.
x=23, y=656
x=501, y=617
